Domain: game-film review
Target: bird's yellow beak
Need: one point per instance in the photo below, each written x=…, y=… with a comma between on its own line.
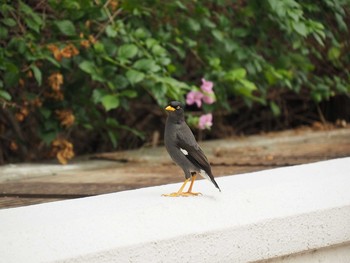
x=169, y=108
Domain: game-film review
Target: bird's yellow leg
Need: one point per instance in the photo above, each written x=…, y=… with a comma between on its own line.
x=189, y=192
x=180, y=192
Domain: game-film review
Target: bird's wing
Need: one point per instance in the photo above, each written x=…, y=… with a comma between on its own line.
x=186, y=141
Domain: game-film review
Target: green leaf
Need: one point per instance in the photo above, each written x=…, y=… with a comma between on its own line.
x=32, y=24
x=25, y=8
x=110, y=102
x=250, y=86
x=146, y=65
x=3, y=32
x=316, y=96
x=180, y=5
x=11, y=75
x=52, y=61
x=235, y=74
x=5, y=95
x=66, y=27
x=110, y=31
x=97, y=95
x=150, y=42
x=206, y=22
x=275, y=109
x=193, y=25
x=159, y=51
x=300, y=28
x=129, y=93
x=99, y=47
x=32, y=19
x=37, y=74
x=179, y=50
x=239, y=89
x=240, y=32
x=164, y=61
x=318, y=39
x=120, y=81
x=231, y=45
x=9, y=22
x=113, y=136
x=278, y=6
x=88, y=126
x=127, y=51
x=158, y=91
x=218, y=35
x=45, y=112
x=140, y=33
x=90, y=68
x=333, y=53
x=112, y=123
x=134, y=76
x=341, y=23
x=48, y=137
x=270, y=77
x=87, y=66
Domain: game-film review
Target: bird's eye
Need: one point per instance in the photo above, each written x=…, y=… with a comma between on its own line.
x=178, y=107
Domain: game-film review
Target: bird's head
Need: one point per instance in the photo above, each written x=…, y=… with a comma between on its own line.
x=175, y=108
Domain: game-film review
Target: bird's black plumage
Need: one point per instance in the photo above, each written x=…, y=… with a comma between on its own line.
x=182, y=146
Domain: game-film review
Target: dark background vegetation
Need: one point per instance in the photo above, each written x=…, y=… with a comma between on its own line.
x=82, y=76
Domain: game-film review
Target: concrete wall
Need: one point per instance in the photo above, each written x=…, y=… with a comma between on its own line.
x=279, y=215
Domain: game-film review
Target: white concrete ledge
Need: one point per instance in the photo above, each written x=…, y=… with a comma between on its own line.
x=286, y=212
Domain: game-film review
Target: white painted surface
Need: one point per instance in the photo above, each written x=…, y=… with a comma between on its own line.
x=333, y=254
x=257, y=216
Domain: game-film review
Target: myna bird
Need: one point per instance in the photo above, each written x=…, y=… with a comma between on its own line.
x=184, y=150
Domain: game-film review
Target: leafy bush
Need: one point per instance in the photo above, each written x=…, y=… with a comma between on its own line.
x=70, y=69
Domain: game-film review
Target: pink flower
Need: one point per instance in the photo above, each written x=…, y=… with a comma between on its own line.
x=205, y=121
x=194, y=97
x=208, y=99
x=207, y=86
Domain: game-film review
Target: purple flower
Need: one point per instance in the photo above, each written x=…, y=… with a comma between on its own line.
x=194, y=97
x=207, y=86
x=205, y=121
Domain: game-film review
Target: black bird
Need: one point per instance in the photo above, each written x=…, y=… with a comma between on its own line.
x=184, y=150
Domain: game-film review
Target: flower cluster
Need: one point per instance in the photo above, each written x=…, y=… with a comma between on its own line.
x=67, y=52
x=62, y=149
x=55, y=81
x=206, y=95
x=66, y=117
x=205, y=121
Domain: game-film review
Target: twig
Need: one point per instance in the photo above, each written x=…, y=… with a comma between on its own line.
x=322, y=118
x=111, y=19
x=5, y=103
x=18, y=20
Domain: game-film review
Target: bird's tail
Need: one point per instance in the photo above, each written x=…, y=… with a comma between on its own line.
x=215, y=183
x=210, y=177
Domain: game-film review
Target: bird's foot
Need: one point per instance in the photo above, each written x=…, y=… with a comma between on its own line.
x=184, y=194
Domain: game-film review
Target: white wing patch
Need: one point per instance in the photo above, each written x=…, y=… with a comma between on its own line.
x=204, y=174
x=184, y=151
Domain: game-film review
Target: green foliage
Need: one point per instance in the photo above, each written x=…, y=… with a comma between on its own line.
x=91, y=59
